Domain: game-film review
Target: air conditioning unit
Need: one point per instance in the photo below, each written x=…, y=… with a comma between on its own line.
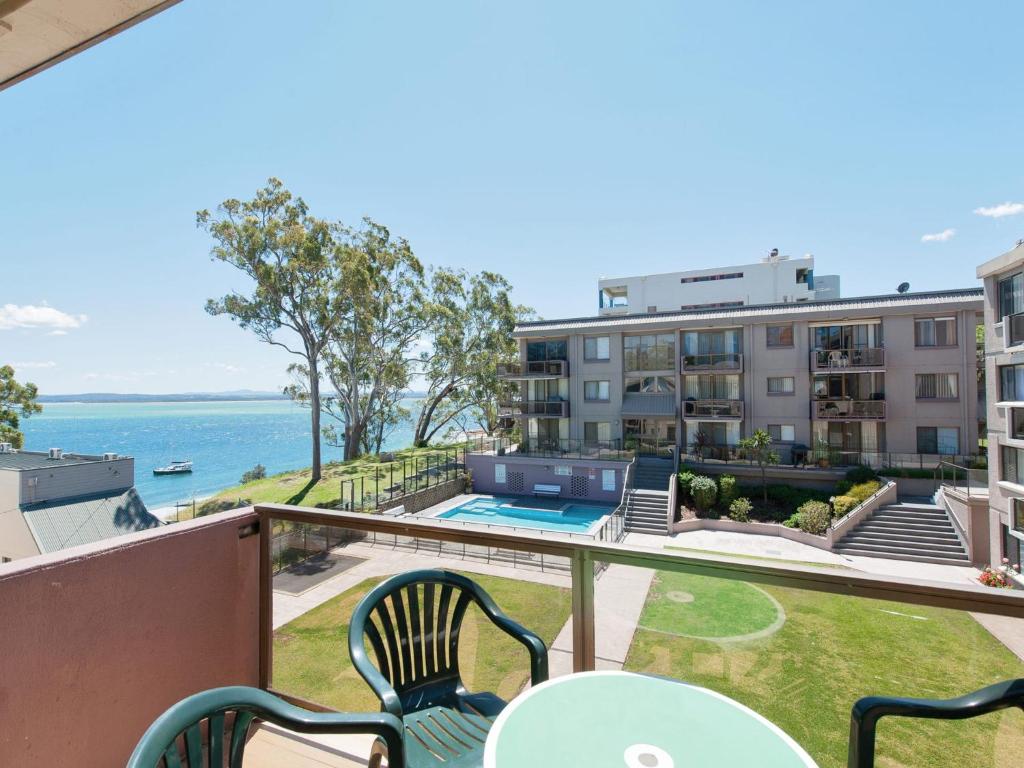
x=6, y=448
x=109, y=456
x=56, y=453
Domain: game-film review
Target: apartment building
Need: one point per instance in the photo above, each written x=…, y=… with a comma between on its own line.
x=54, y=500
x=774, y=280
x=850, y=379
x=1003, y=278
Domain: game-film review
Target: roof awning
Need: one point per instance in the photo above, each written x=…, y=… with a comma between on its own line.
x=641, y=406
x=36, y=34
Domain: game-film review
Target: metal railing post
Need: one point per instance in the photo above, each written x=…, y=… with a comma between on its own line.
x=583, y=648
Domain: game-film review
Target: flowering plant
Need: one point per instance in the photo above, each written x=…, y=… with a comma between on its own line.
x=999, y=577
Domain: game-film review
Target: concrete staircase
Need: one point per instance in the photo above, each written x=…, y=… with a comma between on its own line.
x=647, y=502
x=916, y=530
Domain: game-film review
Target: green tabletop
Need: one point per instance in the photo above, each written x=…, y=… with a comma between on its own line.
x=624, y=720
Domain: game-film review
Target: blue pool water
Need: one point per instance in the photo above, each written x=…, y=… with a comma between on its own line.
x=497, y=510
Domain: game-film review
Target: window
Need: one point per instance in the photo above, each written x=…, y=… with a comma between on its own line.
x=711, y=305
x=708, y=278
x=937, y=386
x=781, y=385
x=563, y=470
x=1011, y=295
x=935, y=332
x=537, y=351
x=656, y=352
x=595, y=390
x=944, y=441
x=1017, y=515
x=782, y=433
x=712, y=387
x=780, y=335
x=597, y=432
x=499, y=473
x=649, y=385
x=1017, y=423
x=1012, y=464
x=596, y=348
x=1011, y=382
x=607, y=479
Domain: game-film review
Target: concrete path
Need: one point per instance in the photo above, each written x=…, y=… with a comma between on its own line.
x=619, y=596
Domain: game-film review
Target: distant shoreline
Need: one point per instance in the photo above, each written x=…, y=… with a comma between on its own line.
x=186, y=397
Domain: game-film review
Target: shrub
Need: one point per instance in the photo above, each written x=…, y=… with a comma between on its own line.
x=793, y=521
x=814, y=517
x=911, y=472
x=861, y=474
x=685, y=478
x=863, y=491
x=727, y=491
x=256, y=473
x=703, y=489
x=841, y=505
x=739, y=510
x=842, y=487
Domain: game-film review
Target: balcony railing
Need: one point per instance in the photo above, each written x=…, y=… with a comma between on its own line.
x=843, y=359
x=1013, y=327
x=712, y=409
x=532, y=409
x=848, y=410
x=719, y=362
x=969, y=481
x=533, y=447
x=534, y=369
x=229, y=636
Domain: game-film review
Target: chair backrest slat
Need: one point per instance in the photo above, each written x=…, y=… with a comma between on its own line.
x=194, y=745
x=373, y=635
x=418, y=665
x=216, y=740
x=429, y=651
x=457, y=616
x=388, y=630
x=440, y=638
x=238, y=733
x=171, y=757
x=404, y=641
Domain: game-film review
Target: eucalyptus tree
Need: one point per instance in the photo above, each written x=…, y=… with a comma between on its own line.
x=383, y=310
x=17, y=401
x=472, y=318
x=293, y=261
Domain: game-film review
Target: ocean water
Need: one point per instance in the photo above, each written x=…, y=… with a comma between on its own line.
x=223, y=439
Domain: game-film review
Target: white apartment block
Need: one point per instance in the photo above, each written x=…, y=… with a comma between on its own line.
x=773, y=280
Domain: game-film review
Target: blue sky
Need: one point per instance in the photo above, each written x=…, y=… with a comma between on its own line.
x=552, y=142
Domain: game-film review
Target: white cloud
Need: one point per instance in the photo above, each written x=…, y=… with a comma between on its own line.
x=1003, y=209
x=227, y=367
x=125, y=376
x=57, y=333
x=42, y=316
x=939, y=237
x=37, y=364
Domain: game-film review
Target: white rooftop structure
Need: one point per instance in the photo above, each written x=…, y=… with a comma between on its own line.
x=773, y=280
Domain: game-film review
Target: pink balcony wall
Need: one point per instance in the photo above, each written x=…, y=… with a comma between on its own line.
x=98, y=640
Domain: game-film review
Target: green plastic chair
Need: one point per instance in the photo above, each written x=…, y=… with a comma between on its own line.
x=869, y=710
x=412, y=623
x=175, y=739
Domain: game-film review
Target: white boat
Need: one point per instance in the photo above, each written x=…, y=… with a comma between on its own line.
x=175, y=468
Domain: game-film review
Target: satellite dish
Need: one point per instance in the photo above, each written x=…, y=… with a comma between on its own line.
x=903, y=287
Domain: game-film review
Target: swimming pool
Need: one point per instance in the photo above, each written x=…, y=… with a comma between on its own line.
x=564, y=517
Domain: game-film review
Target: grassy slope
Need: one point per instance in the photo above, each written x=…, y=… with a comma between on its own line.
x=311, y=653
x=834, y=649
x=296, y=487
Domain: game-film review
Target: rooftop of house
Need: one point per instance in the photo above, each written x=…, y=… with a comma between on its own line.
x=19, y=461
x=87, y=519
x=947, y=298
x=803, y=261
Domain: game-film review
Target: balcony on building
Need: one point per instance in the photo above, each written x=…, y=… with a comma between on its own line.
x=533, y=369
x=1013, y=330
x=534, y=409
x=712, y=351
x=846, y=409
x=713, y=409
x=847, y=358
x=857, y=345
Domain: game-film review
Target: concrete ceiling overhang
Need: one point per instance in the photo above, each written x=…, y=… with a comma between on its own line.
x=36, y=34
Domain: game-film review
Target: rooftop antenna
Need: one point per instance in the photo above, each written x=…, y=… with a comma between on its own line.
x=903, y=287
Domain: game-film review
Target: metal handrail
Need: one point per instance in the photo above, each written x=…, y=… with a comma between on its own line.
x=955, y=469
x=711, y=361
x=713, y=408
x=848, y=357
x=584, y=554
x=843, y=408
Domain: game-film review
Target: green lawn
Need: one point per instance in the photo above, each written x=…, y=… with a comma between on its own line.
x=678, y=604
x=311, y=653
x=831, y=650
x=296, y=487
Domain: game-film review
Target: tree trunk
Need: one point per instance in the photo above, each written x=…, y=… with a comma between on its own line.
x=314, y=407
x=427, y=415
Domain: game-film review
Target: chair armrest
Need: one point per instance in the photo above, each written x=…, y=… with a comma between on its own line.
x=249, y=703
x=538, y=651
x=869, y=710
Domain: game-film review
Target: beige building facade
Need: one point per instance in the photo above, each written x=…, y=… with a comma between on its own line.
x=845, y=381
x=1003, y=278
